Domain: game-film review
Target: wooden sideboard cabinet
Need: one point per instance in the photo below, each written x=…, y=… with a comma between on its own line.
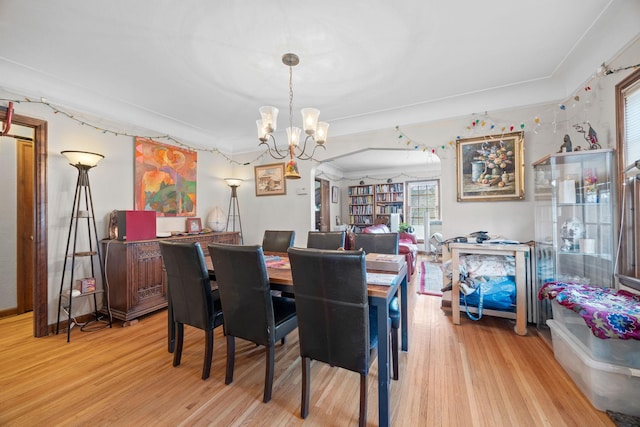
x=135, y=275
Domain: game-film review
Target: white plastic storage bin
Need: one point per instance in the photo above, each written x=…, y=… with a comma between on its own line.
x=607, y=386
x=611, y=350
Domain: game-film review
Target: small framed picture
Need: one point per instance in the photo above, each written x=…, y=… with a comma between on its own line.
x=270, y=180
x=334, y=194
x=194, y=225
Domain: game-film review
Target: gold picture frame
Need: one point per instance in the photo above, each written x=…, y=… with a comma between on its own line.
x=270, y=180
x=490, y=168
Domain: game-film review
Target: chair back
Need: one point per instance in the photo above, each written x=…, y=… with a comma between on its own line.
x=188, y=285
x=278, y=240
x=380, y=243
x=245, y=294
x=332, y=307
x=326, y=239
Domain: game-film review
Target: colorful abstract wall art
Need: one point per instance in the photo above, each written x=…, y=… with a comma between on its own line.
x=165, y=178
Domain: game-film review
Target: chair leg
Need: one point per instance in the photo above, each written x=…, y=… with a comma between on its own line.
x=363, y=400
x=394, y=352
x=268, y=373
x=177, y=351
x=306, y=377
x=231, y=356
x=208, y=354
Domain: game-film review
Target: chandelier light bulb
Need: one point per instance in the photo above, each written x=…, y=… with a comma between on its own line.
x=293, y=136
x=269, y=118
x=310, y=120
x=321, y=132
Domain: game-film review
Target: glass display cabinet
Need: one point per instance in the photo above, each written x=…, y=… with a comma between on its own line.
x=574, y=220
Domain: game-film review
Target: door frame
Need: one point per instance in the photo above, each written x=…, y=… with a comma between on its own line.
x=325, y=210
x=41, y=281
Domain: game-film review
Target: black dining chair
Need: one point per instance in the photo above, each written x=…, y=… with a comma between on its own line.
x=385, y=243
x=278, y=240
x=251, y=312
x=190, y=298
x=334, y=320
x=326, y=239
x=379, y=243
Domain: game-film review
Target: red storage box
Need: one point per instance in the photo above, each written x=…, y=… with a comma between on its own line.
x=136, y=225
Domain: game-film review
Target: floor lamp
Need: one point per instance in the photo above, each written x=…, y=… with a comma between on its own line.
x=82, y=216
x=234, y=209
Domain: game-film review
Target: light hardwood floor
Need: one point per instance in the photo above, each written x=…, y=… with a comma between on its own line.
x=474, y=374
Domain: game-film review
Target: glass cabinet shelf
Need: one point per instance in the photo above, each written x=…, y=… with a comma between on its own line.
x=574, y=227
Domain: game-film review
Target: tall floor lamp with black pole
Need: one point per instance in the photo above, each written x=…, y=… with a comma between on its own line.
x=82, y=247
x=234, y=209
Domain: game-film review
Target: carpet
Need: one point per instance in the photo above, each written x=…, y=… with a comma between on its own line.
x=429, y=278
x=623, y=420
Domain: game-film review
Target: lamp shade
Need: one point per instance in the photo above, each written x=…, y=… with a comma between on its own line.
x=82, y=158
x=269, y=118
x=233, y=182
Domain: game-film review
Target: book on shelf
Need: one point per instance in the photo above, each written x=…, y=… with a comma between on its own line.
x=384, y=262
x=384, y=279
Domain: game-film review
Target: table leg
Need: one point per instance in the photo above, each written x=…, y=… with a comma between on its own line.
x=383, y=360
x=404, y=314
x=455, y=286
x=171, y=327
x=521, y=295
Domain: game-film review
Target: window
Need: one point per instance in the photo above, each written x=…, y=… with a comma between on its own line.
x=628, y=127
x=423, y=199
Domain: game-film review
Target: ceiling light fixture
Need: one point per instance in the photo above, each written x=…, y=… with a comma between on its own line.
x=316, y=131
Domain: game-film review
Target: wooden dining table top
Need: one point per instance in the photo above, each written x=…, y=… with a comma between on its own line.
x=282, y=275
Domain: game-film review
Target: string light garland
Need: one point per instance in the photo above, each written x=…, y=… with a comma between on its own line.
x=167, y=137
x=374, y=178
x=474, y=124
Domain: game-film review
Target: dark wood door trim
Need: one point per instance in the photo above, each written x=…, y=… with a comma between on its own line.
x=40, y=277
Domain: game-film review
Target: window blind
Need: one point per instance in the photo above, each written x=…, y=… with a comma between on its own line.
x=632, y=124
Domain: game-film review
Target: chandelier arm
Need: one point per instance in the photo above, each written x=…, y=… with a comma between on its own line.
x=303, y=149
x=273, y=152
x=303, y=155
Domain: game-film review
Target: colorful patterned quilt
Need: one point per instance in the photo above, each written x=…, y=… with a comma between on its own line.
x=609, y=313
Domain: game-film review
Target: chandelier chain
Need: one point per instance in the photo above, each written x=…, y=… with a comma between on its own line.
x=290, y=96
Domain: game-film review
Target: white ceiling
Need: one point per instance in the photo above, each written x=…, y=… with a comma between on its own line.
x=199, y=70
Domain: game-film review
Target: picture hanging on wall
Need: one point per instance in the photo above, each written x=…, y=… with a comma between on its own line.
x=490, y=168
x=270, y=180
x=165, y=178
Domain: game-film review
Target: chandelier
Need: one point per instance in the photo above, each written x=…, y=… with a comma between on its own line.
x=314, y=130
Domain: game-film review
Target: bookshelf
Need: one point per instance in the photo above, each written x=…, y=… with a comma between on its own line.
x=361, y=205
x=389, y=199
x=371, y=204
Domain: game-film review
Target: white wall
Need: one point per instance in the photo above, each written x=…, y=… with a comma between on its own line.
x=112, y=180
x=111, y=184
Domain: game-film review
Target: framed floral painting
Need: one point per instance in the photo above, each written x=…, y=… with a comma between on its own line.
x=490, y=168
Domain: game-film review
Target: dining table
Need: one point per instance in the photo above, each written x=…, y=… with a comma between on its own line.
x=380, y=296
